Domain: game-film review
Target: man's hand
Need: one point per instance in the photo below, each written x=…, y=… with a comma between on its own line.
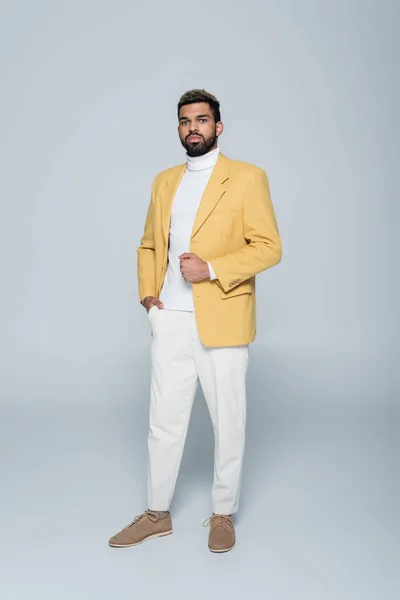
x=193, y=269
x=150, y=301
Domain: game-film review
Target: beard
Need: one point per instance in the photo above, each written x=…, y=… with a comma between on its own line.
x=201, y=147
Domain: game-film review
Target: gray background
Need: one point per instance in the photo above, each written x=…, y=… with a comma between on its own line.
x=88, y=117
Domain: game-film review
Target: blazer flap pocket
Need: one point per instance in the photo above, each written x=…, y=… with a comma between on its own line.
x=243, y=288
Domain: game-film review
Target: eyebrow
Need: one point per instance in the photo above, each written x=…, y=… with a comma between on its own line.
x=198, y=116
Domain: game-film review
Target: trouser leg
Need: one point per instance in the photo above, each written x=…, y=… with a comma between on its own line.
x=222, y=373
x=173, y=386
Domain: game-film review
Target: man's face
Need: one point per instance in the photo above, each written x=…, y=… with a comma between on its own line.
x=197, y=130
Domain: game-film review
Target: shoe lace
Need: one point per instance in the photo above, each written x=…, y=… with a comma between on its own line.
x=223, y=521
x=140, y=518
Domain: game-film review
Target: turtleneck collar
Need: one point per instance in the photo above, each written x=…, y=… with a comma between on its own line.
x=199, y=163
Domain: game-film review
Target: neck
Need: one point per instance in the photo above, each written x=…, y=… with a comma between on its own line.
x=205, y=161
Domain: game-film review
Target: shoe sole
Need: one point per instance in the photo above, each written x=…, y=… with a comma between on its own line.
x=150, y=537
x=219, y=551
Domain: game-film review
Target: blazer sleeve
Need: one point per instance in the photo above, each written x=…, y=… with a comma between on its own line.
x=263, y=249
x=146, y=271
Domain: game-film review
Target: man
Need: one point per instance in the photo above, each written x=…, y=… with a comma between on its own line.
x=210, y=228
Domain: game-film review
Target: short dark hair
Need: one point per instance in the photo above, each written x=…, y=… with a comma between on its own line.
x=194, y=96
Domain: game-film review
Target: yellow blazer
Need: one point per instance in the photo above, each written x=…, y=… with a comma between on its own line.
x=235, y=229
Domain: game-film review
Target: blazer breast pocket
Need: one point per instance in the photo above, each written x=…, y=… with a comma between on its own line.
x=224, y=221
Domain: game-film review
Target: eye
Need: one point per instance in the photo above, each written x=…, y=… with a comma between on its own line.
x=205, y=120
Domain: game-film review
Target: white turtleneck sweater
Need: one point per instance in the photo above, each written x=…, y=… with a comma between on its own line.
x=176, y=293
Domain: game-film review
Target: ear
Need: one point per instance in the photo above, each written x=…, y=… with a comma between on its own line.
x=219, y=127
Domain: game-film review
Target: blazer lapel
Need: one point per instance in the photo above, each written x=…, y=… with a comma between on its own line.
x=168, y=195
x=215, y=189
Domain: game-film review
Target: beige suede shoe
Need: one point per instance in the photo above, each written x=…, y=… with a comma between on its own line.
x=222, y=533
x=143, y=527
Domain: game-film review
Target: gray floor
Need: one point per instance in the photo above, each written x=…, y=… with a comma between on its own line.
x=319, y=512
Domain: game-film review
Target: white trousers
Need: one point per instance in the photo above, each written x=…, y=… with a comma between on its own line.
x=178, y=362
